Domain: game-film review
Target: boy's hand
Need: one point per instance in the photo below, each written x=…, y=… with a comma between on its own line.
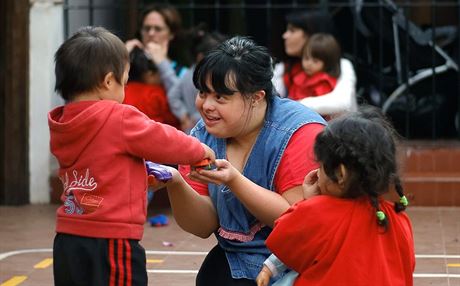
x=264, y=276
x=310, y=184
x=222, y=175
x=208, y=153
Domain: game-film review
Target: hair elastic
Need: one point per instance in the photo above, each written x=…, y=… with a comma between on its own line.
x=403, y=200
x=380, y=215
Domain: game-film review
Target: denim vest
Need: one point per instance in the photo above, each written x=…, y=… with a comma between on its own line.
x=240, y=234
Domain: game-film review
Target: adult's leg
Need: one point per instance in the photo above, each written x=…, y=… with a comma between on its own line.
x=215, y=271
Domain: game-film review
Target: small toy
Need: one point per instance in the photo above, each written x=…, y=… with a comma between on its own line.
x=158, y=220
x=203, y=165
x=157, y=173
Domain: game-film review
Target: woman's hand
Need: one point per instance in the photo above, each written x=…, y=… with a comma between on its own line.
x=310, y=184
x=264, y=276
x=158, y=52
x=131, y=44
x=222, y=175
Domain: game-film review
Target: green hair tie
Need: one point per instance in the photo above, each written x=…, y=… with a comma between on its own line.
x=403, y=200
x=380, y=215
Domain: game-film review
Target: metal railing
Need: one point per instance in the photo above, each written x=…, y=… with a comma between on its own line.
x=405, y=53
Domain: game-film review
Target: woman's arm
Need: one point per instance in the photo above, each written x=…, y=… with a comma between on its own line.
x=341, y=99
x=193, y=212
x=278, y=81
x=264, y=204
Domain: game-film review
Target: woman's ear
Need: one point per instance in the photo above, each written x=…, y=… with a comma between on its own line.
x=342, y=175
x=258, y=97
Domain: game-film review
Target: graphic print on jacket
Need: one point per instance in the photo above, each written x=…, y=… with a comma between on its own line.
x=77, y=189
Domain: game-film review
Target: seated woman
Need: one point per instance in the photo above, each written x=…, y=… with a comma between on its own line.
x=159, y=27
x=301, y=25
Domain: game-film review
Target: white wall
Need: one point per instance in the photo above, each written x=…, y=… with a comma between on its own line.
x=46, y=34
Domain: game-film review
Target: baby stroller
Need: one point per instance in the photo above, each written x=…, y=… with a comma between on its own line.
x=403, y=69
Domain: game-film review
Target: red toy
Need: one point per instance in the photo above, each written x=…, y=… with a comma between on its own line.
x=203, y=165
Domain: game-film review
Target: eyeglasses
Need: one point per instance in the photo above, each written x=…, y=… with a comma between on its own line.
x=156, y=29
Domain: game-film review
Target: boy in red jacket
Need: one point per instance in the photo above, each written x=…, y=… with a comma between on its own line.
x=101, y=145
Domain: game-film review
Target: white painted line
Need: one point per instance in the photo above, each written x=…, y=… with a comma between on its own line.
x=155, y=252
x=435, y=275
x=437, y=256
x=152, y=252
x=11, y=253
x=166, y=271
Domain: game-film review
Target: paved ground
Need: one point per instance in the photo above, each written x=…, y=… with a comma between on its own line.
x=26, y=235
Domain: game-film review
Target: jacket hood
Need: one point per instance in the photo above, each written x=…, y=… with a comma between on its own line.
x=68, y=139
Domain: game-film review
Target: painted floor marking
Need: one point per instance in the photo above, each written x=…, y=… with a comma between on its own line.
x=435, y=275
x=154, y=260
x=44, y=263
x=16, y=280
x=19, y=279
x=166, y=271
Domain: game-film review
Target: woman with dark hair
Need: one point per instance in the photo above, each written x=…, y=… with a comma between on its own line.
x=257, y=137
x=160, y=24
x=301, y=25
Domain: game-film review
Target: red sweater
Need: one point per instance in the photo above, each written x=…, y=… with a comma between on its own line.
x=100, y=146
x=152, y=101
x=332, y=241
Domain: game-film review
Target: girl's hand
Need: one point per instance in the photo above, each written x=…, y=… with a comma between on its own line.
x=222, y=175
x=264, y=276
x=310, y=184
x=131, y=44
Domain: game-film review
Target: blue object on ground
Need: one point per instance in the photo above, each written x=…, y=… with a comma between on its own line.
x=158, y=220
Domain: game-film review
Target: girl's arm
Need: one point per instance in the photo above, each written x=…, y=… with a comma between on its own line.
x=193, y=212
x=341, y=99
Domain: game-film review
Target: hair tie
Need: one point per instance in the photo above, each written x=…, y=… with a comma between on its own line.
x=403, y=200
x=380, y=215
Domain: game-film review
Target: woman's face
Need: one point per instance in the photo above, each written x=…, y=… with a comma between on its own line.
x=225, y=116
x=154, y=29
x=294, y=40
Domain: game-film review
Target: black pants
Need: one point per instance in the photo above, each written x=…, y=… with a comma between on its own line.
x=98, y=261
x=215, y=271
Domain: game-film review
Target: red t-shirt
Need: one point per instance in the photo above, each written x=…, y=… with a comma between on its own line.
x=300, y=85
x=334, y=241
x=297, y=161
x=150, y=100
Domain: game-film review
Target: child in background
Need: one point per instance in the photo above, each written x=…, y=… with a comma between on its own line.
x=181, y=96
x=145, y=91
x=321, y=65
x=344, y=232
x=100, y=145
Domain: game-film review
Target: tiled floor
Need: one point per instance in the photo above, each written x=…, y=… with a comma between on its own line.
x=26, y=235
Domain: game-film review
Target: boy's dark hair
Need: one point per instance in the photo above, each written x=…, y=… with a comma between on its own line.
x=325, y=48
x=239, y=61
x=364, y=142
x=140, y=65
x=86, y=58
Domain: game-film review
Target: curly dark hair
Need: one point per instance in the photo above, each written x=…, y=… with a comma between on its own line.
x=365, y=143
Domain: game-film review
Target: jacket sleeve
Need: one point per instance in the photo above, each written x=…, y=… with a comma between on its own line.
x=339, y=100
x=158, y=142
